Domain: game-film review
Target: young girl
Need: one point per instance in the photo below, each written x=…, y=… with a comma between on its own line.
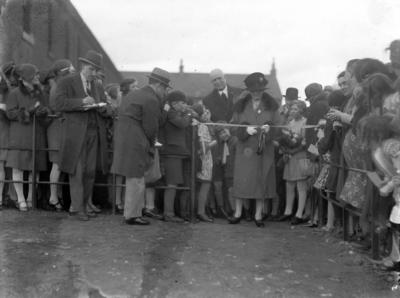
x=292, y=174
x=204, y=175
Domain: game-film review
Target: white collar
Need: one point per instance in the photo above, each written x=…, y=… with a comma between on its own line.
x=225, y=91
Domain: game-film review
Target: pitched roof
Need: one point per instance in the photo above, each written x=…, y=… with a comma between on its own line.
x=198, y=85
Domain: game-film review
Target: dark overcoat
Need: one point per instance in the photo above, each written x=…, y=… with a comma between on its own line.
x=254, y=173
x=221, y=109
x=135, y=132
x=69, y=100
x=21, y=132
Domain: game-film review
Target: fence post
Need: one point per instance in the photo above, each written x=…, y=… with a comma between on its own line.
x=34, y=185
x=114, y=193
x=375, y=234
x=193, y=174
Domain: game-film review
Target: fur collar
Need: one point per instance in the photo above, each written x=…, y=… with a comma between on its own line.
x=267, y=100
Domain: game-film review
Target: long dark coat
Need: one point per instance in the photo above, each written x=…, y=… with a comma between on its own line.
x=254, y=174
x=135, y=132
x=221, y=109
x=21, y=132
x=68, y=100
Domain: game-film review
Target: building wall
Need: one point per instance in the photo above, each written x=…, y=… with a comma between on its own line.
x=42, y=31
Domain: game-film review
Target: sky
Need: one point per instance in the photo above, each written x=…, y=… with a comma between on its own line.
x=309, y=40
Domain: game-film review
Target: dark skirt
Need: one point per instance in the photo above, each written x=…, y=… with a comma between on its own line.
x=173, y=167
x=4, y=128
x=22, y=160
x=54, y=139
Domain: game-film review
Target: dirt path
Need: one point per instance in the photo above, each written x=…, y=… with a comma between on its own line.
x=49, y=255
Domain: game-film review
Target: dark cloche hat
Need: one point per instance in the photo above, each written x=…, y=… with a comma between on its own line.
x=395, y=44
x=28, y=71
x=312, y=90
x=291, y=93
x=176, y=96
x=93, y=58
x=256, y=82
x=161, y=76
x=61, y=65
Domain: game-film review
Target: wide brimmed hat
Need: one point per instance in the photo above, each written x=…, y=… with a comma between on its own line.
x=256, y=82
x=93, y=58
x=291, y=93
x=161, y=76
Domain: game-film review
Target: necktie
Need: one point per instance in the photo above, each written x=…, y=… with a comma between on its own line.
x=88, y=88
x=223, y=96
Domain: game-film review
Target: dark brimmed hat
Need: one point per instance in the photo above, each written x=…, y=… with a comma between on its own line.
x=175, y=96
x=161, y=76
x=291, y=93
x=256, y=82
x=93, y=58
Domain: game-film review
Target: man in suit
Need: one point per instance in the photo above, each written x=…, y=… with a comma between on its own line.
x=220, y=103
x=139, y=118
x=83, y=133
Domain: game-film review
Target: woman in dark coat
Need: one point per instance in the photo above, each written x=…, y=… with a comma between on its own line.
x=254, y=171
x=22, y=103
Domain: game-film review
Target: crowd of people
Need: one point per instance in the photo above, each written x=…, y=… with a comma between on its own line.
x=256, y=159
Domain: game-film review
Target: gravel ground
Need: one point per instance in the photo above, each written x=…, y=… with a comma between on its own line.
x=45, y=254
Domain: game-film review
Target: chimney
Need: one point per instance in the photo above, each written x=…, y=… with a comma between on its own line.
x=181, y=66
x=273, y=69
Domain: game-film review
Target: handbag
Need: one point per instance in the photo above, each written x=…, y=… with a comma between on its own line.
x=153, y=173
x=307, y=167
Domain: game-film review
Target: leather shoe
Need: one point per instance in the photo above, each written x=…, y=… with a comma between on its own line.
x=234, y=220
x=204, y=218
x=151, y=213
x=297, y=221
x=174, y=219
x=259, y=223
x=136, y=221
x=283, y=217
x=91, y=214
x=79, y=216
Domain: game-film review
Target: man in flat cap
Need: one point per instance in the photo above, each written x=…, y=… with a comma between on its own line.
x=134, y=141
x=83, y=131
x=220, y=104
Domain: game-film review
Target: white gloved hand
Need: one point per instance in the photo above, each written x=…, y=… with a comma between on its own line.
x=195, y=122
x=251, y=130
x=265, y=128
x=167, y=107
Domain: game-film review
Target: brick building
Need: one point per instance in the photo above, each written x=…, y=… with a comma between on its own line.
x=42, y=31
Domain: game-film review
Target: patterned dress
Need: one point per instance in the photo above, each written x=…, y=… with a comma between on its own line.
x=205, y=172
x=357, y=156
